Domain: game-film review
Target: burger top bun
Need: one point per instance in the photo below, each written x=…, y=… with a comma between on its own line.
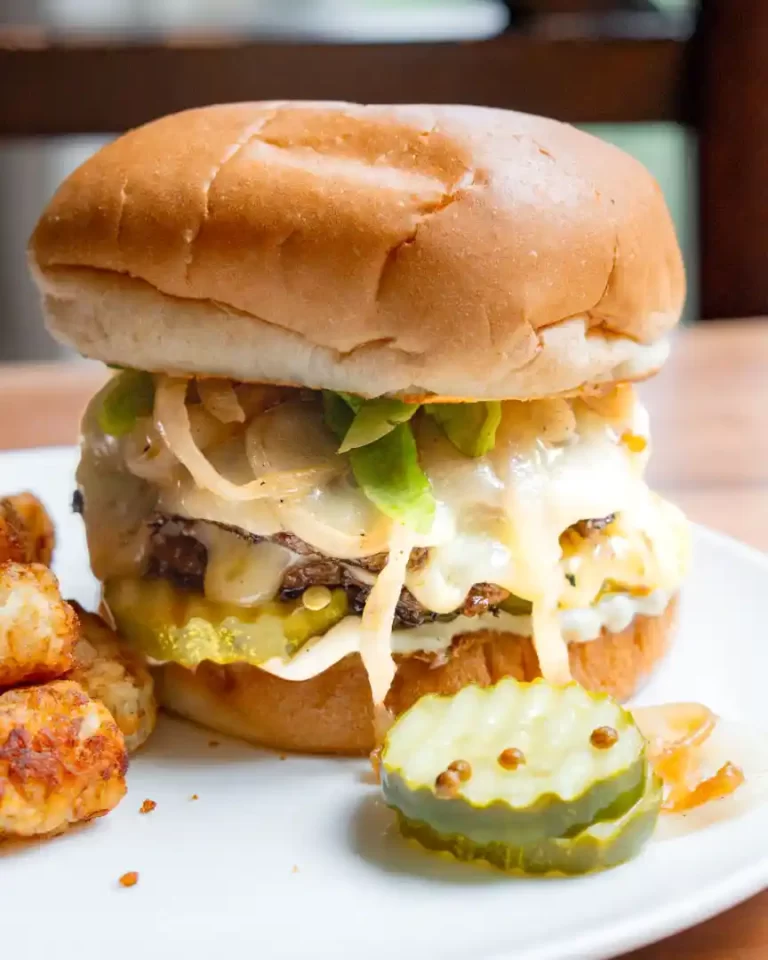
x=418, y=251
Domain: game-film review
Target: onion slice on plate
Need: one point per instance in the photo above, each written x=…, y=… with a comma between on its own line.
x=675, y=734
x=674, y=725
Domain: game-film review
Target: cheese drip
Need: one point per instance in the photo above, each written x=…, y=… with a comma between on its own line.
x=539, y=545
x=378, y=614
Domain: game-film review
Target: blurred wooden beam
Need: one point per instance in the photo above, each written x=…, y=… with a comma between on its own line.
x=731, y=68
x=94, y=85
x=43, y=404
x=546, y=7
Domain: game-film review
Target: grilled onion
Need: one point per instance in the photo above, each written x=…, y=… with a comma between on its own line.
x=290, y=442
x=172, y=420
x=220, y=400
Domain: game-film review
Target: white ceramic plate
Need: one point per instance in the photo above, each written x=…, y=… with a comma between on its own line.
x=297, y=859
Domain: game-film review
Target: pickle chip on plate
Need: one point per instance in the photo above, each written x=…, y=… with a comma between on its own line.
x=532, y=777
x=605, y=844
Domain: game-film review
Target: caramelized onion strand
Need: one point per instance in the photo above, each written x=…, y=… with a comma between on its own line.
x=220, y=400
x=172, y=422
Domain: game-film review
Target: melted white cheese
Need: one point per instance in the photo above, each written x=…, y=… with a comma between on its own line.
x=499, y=520
x=555, y=463
x=239, y=572
x=613, y=613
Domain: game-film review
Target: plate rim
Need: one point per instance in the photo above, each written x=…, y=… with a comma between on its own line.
x=655, y=925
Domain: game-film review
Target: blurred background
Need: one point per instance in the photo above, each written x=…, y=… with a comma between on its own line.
x=73, y=73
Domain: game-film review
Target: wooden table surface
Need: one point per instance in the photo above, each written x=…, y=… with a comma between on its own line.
x=710, y=455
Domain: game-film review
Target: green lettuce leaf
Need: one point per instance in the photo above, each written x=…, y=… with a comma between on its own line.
x=471, y=427
x=130, y=395
x=387, y=470
x=389, y=474
x=337, y=412
x=352, y=401
x=374, y=419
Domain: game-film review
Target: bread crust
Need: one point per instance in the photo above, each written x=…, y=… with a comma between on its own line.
x=458, y=251
x=332, y=712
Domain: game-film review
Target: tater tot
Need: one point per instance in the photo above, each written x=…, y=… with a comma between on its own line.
x=38, y=630
x=62, y=760
x=26, y=530
x=110, y=672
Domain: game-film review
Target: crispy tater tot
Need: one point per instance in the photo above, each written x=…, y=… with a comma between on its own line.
x=113, y=674
x=26, y=530
x=14, y=544
x=38, y=630
x=62, y=760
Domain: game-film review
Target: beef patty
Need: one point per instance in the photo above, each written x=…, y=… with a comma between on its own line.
x=178, y=556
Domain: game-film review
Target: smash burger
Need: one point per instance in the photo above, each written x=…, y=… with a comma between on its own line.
x=372, y=432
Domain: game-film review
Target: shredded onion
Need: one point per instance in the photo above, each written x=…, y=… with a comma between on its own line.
x=290, y=441
x=220, y=400
x=291, y=437
x=206, y=430
x=687, y=788
x=305, y=523
x=172, y=422
x=550, y=421
x=147, y=456
x=376, y=623
x=673, y=726
x=616, y=403
x=675, y=732
x=255, y=398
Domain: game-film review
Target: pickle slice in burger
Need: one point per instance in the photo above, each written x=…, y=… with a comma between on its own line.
x=168, y=625
x=513, y=765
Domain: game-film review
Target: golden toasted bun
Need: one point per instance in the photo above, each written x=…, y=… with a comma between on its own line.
x=332, y=712
x=457, y=251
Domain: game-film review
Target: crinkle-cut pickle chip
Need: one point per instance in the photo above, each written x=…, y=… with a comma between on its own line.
x=564, y=783
x=601, y=846
x=168, y=624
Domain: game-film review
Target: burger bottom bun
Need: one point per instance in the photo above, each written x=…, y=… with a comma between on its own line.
x=332, y=712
